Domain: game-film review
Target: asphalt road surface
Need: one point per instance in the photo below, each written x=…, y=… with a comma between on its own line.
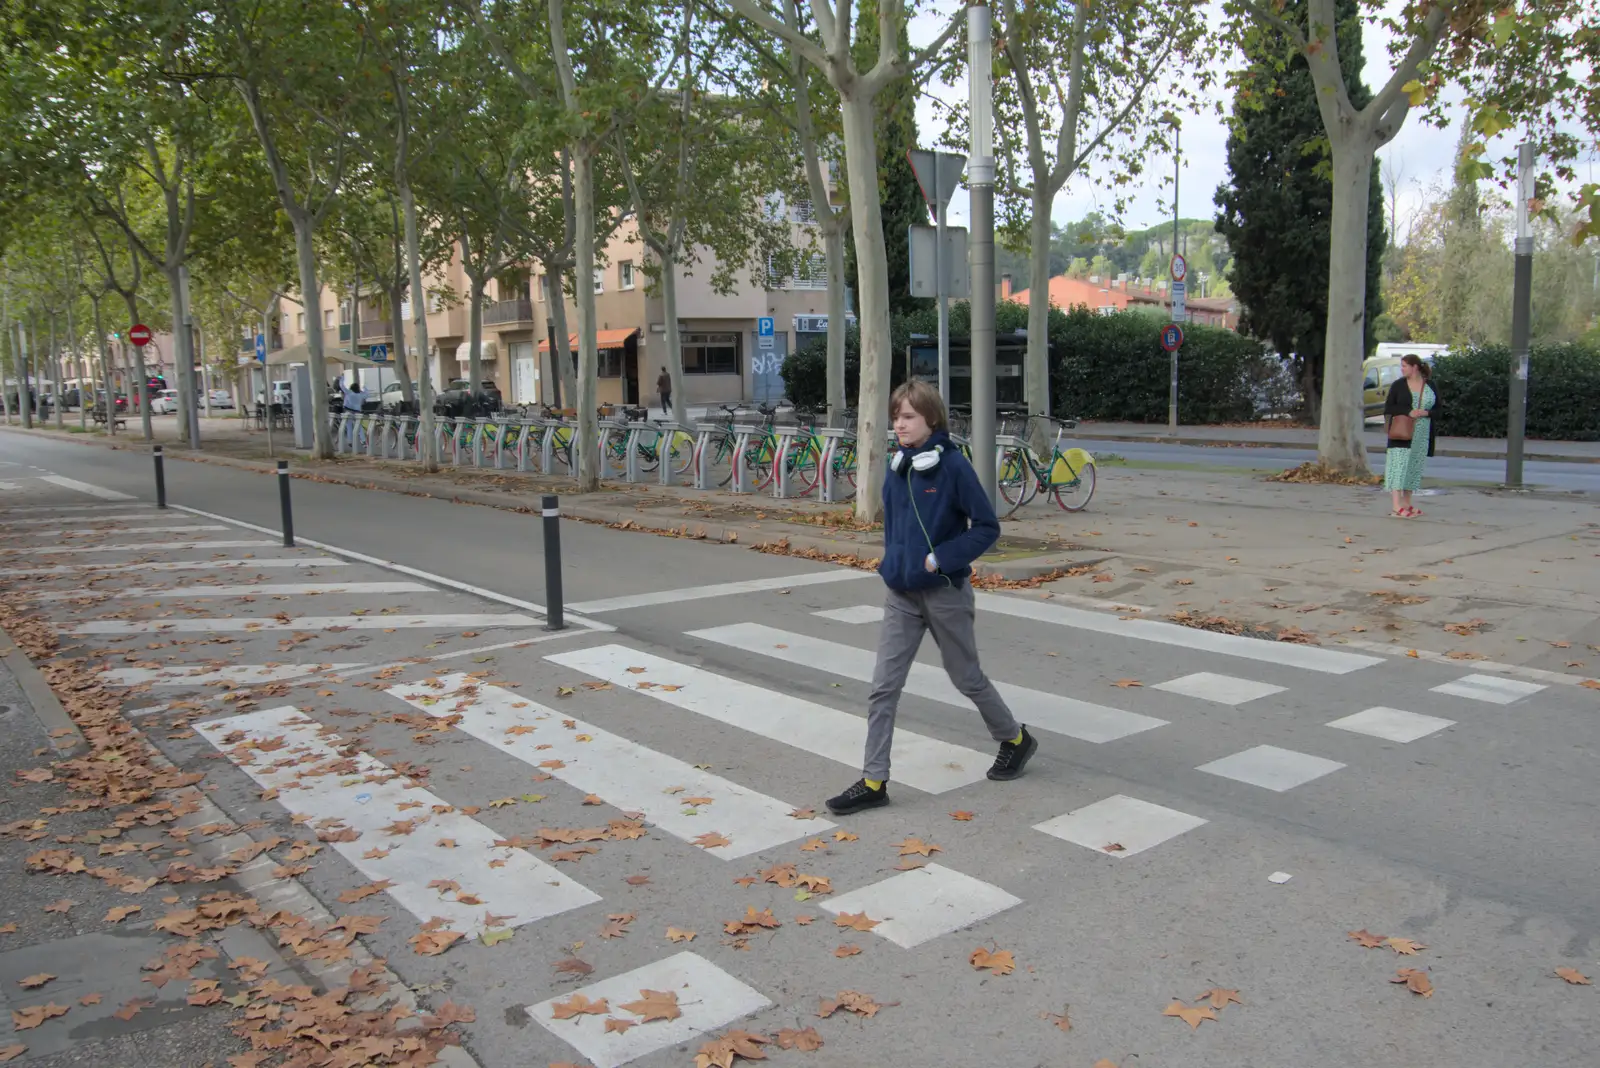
x=1205, y=811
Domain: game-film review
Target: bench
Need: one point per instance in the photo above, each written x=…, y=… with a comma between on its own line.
x=99, y=416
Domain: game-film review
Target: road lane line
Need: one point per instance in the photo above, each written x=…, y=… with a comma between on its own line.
x=919, y=761
x=719, y=589
x=622, y=773
x=1082, y=720
x=364, y=794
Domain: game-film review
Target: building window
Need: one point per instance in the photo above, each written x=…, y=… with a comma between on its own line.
x=599, y=280
x=405, y=309
x=435, y=301
x=538, y=287
x=625, y=274
x=300, y=322
x=711, y=354
x=805, y=211
x=610, y=362
x=344, y=313
x=327, y=319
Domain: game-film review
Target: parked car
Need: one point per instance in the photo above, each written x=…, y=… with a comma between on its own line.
x=164, y=402
x=392, y=399
x=221, y=398
x=280, y=393
x=455, y=400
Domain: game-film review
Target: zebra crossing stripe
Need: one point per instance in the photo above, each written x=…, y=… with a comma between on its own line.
x=248, y=624
x=143, y=547
x=95, y=570
x=284, y=751
x=620, y=772
x=236, y=674
x=919, y=761
x=78, y=532
x=1083, y=720
x=85, y=487
x=260, y=589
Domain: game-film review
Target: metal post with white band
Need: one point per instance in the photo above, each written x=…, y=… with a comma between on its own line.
x=283, y=500
x=550, y=508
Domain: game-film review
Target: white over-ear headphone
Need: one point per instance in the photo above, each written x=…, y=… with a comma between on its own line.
x=922, y=461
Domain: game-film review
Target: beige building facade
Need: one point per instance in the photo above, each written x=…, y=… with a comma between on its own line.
x=729, y=353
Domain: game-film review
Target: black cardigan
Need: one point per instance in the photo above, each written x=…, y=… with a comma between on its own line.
x=1399, y=403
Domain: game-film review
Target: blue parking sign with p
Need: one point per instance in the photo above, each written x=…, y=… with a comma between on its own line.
x=764, y=326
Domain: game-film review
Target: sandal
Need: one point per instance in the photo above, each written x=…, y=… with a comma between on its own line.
x=1402, y=514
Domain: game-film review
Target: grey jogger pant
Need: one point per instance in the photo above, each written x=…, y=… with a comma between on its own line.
x=949, y=613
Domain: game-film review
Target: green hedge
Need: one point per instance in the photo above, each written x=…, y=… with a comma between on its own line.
x=1563, y=387
x=1102, y=366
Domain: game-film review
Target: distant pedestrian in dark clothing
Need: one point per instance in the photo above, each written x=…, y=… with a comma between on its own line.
x=664, y=387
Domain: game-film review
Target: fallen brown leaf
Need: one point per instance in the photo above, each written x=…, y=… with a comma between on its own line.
x=720, y=1052
x=917, y=846
x=676, y=934
x=1220, y=998
x=1404, y=946
x=961, y=816
x=121, y=912
x=1193, y=1015
x=1062, y=1022
x=1366, y=939
x=11, y=1053
x=1573, y=976
x=999, y=963
x=573, y=966
x=847, y=950
x=856, y=921
x=806, y=1041
x=433, y=943
x=711, y=840
x=851, y=1001
x=654, y=1005
x=1415, y=981
x=1127, y=684
x=34, y=1015
x=579, y=1005
x=33, y=982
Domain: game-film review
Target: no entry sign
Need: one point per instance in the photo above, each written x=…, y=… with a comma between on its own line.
x=139, y=335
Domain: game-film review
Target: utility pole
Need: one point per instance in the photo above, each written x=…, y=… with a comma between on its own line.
x=184, y=358
x=1521, y=313
x=980, y=181
x=941, y=212
x=1172, y=389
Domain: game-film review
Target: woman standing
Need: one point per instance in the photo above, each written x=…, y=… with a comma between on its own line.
x=1408, y=417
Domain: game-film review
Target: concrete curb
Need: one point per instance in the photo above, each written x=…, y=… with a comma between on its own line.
x=631, y=518
x=41, y=697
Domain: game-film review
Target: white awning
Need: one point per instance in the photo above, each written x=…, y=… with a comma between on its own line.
x=488, y=351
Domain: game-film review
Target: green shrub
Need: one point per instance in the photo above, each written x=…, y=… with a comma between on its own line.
x=1102, y=366
x=1563, y=383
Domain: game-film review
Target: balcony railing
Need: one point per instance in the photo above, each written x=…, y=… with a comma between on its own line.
x=374, y=328
x=248, y=344
x=519, y=310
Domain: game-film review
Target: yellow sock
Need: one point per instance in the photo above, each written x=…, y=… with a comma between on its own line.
x=1018, y=739
x=873, y=784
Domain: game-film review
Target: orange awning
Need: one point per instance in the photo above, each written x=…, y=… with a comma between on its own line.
x=608, y=339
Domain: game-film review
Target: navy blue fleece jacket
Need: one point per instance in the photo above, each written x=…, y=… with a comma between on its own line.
x=942, y=511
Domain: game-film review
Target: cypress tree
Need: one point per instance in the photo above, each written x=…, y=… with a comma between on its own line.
x=1275, y=212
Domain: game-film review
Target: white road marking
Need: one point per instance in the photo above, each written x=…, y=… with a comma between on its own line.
x=1128, y=822
x=79, y=532
x=708, y=998
x=1271, y=768
x=93, y=570
x=859, y=613
x=428, y=576
x=98, y=515
x=524, y=889
x=141, y=547
x=85, y=487
x=11, y=487
x=920, y=762
x=247, y=624
x=239, y=674
x=624, y=774
x=266, y=589
x=719, y=589
x=1222, y=689
x=919, y=906
x=1392, y=724
x=1308, y=657
x=1047, y=711
x=1489, y=688
x=98, y=509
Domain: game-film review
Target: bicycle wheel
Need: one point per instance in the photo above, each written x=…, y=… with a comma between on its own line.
x=1016, y=482
x=804, y=468
x=760, y=459
x=649, y=454
x=1073, y=493
x=680, y=451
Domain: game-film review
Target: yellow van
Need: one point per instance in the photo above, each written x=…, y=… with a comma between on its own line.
x=1383, y=367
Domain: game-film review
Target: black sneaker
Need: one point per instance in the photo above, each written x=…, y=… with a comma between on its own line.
x=858, y=797
x=1013, y=757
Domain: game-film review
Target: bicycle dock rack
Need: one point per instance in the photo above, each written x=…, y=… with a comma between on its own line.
x=704, y=436
x=742, y=433
x=831, y=440
x=787, y=437
x=630, y=463
x=1002, y=442
x=665, y=475
x=479, y=426
x=402, y=433
x=606, y=428
x=341, y=426
x=547, y=447
x=374, y=423
x=525, y=434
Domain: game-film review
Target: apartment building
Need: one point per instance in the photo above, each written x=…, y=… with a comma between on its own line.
x=726, y=354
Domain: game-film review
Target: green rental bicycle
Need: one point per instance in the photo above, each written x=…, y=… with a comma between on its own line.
x=1068, y=477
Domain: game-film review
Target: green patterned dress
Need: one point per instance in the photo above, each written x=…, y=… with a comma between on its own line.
x=1402, y=467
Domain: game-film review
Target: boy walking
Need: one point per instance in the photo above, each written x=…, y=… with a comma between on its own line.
x=936, y=521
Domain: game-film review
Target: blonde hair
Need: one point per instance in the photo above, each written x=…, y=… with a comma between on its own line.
x=924, y=400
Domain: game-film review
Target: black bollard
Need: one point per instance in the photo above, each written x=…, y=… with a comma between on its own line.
x=161, y=478
x=283, y=497
x=552, y=563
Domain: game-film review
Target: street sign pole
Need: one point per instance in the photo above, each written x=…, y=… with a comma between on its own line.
x=939, y=173
x=1521, y=309
x=980, y=175
x=1177, y=272
x=941, y=216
